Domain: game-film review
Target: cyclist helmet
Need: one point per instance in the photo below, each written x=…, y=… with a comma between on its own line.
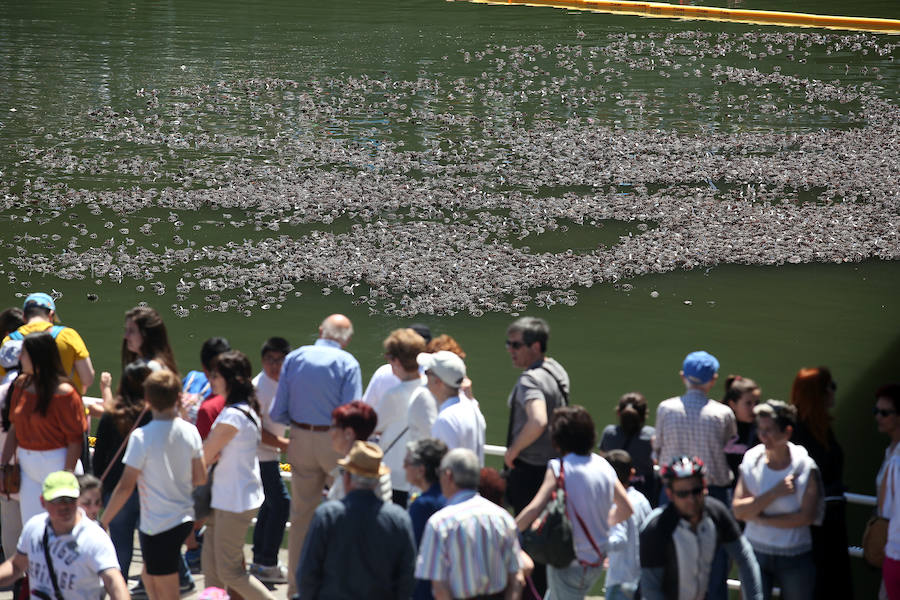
x=683, y=467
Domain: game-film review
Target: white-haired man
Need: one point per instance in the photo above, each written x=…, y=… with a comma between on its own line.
x=314, y=381
x=470, y=548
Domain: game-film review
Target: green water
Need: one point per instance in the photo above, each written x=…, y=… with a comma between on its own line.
x=59, y=60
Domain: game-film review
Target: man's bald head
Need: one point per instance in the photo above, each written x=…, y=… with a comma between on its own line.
x=338, y=328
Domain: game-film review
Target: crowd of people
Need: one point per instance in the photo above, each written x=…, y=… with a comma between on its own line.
x=389, y=493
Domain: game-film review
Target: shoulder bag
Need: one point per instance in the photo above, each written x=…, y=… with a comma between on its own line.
x=202, y=494
x=50, y=568
x=874, y=540
x=553, y=542
x=11, y=473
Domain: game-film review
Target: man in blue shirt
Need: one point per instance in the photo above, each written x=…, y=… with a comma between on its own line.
x=314, y=381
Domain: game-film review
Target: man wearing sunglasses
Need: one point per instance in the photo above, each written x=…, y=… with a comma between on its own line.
x=542, y=387
x=678, y=541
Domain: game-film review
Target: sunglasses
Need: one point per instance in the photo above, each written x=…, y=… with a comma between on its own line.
x=880, y=412
x=697, y=491
x=514, y=345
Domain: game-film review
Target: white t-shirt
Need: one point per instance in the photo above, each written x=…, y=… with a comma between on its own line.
x=759, y=478
x=423, y=411
x=382, y=380
x=590, y=487
x=461, y=425
x=892, y=507
x=237, y=486
x=163, y=451
x=78, y=557
x=393, y=415
x=265, y=393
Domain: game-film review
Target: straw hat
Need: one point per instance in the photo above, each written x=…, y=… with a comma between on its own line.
x=364, y=460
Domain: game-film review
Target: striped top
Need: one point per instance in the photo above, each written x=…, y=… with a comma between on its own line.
x=472, y=545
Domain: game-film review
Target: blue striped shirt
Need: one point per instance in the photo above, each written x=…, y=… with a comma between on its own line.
x=471, y=544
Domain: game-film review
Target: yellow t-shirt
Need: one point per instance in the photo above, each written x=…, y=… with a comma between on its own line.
x=71, y=347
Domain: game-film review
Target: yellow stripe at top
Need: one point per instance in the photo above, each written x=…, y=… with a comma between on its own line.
x=668, y=11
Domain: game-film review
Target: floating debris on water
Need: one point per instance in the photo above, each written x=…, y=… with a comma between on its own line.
x=333, y=181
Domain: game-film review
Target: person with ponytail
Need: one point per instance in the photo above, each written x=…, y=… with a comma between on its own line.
x=237, y=491
x=47, y=420
x=636, y=438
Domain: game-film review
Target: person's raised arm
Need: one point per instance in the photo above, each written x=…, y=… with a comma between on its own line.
x=622, y=509
x=115, y=584
x=120, y=495
x=537, y=504
x=220, y=435
x=106, y=390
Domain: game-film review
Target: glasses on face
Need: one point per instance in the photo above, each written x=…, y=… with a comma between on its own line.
x=514, y=344
x=697, y=491
x=880, y=412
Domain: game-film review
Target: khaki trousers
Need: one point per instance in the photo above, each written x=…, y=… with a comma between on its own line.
x=312, y=460
x=223, y=554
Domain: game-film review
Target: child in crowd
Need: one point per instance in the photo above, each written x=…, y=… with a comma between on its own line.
x=273, y=514
x=166, y=456
x=624, y=572
x=90, y=500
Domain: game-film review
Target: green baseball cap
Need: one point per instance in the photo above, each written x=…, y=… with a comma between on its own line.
x=60, y=484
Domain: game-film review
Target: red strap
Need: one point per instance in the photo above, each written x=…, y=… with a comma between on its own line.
x=561, y=482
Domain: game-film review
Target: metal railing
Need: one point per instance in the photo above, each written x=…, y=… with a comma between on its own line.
x=493, y=450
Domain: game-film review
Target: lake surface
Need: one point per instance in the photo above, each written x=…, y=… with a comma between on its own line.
x=463, y=162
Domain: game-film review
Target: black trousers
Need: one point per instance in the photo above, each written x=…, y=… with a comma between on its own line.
x=522, y=484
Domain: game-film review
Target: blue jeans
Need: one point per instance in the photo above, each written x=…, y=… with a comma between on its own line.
x=718, y=574
x=621, y=591
x=121, y=529
x=272, y=516
x=795, y=575
x=572, y=582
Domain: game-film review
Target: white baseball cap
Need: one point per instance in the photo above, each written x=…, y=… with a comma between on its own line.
x=447, y=366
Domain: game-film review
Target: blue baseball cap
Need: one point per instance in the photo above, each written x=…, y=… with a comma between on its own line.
x=40, y=299
x=699, y=367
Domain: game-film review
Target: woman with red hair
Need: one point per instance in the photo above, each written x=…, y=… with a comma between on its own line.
x=813, y=394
